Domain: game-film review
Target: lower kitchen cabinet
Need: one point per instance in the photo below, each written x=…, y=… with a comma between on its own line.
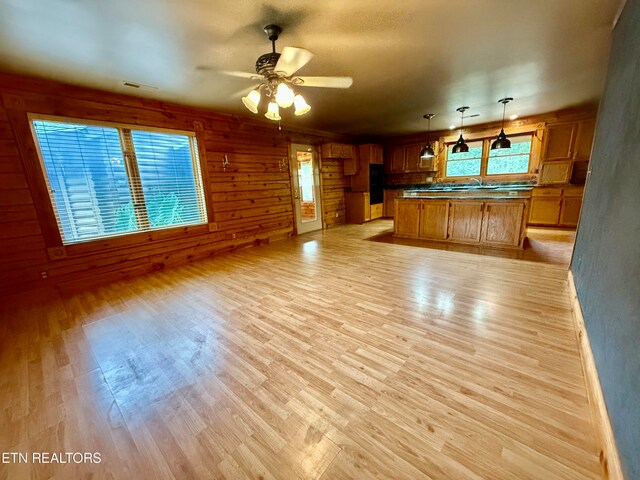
x=389, y=197
x=407, y=218
x=498, y=223
x=465, y=221
x=545, y=210
x=434, y=219
x=502, y=223
x=556, y=207
x=357, y=207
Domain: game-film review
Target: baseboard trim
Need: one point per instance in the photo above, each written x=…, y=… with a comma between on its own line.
x=607, y=450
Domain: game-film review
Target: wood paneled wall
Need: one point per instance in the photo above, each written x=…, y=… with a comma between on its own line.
x=249, y=201
x=333, y=185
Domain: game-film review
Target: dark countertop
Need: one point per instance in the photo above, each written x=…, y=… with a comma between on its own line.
x=465, y=197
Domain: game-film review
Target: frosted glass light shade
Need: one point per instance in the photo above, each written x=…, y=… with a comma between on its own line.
x=273, y=112
x=284, y=95
x=252, y=100
x=301, y=105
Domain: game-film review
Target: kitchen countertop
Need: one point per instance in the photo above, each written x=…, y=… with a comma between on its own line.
x=495, y=193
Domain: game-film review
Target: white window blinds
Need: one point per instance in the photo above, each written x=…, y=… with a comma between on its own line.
x=107, y=181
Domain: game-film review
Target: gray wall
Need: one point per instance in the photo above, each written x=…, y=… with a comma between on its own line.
x=606, y=261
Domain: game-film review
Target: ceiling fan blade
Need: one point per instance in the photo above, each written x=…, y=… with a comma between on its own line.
x=327, y=82
x=245, y=91
x=291, y=60
x=234, y=73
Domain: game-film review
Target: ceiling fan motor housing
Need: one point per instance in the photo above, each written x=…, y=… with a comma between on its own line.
x=267, y=62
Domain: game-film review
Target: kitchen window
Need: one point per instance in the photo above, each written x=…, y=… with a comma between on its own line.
x=109, y=180
x=464, y=164
x=480, y=160
x=505, y=161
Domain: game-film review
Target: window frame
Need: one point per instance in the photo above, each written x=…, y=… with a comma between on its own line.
x=482, y=155
x=487, y=137
x=57, y=249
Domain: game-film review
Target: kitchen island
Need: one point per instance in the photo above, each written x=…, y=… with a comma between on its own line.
x=486, y=216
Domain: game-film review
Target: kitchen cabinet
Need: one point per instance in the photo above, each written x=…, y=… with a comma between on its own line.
x=406, y=159
x=502, y=223
x=407, y=217
x=551, y=173
x=389, y=201
x=559, y=141
x=351, y=166
x=371, y=153
x=337, y=150
x=465, y=221
x=376, y=211
x=556, y=207
x=434, y=219
x=566, y=148
x=357, y=207
x=495, y=223
x=571, y=205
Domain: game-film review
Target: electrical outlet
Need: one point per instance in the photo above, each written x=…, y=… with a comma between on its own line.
x=233, y=235
x=43, y=275
x=337, y=215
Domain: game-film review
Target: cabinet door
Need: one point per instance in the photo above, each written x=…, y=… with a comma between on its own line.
x=465, y=221
x=407, y=218
x=570, y=211
x=502, y=223
x=545, y=210
x=434, y=216
x=584, y=140
x=412, y=157
x=351, y=166
x=396, y=160
x=346, y=151
x=389, y=202
x=551, y=173
x=378, y=155
x=559, y=141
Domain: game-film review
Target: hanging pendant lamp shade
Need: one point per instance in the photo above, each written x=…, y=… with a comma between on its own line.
x=502, y=141
x=427, y=151
x=461, y=146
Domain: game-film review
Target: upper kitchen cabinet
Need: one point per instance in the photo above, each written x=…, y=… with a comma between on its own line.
x=337, y=150
x=559, y=141
x=406, y=159
x=566, y=149
x=371, y=153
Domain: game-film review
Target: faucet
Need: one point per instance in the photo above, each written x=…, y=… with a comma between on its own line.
x=479, y=180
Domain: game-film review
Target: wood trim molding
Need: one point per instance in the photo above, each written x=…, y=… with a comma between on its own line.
x=607, y=451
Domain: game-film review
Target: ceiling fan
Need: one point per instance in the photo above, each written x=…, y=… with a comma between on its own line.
x=276, y=73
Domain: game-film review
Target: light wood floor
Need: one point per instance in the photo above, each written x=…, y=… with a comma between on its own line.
x=325, y=356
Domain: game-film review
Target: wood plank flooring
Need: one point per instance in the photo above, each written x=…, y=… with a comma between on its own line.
x=325, y=356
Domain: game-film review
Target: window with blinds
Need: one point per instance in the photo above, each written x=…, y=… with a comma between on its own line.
x=106, y=180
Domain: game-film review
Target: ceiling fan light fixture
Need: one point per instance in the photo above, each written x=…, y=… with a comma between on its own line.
x=273, y=111
x=301, y=105
x=502, y=141
x=284, y=95
x=252, y=100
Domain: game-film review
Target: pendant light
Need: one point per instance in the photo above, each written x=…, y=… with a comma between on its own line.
x=502, y=141
x=427, y=151
x=461, y=146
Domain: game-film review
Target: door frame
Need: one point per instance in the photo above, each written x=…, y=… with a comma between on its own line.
x=318, y=224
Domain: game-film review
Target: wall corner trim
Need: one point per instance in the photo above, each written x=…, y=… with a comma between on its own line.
x=607, y=451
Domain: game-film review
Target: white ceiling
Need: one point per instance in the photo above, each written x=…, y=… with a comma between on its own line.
x=407, y=57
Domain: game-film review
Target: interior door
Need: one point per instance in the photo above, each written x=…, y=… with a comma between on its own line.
x=305, y=173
